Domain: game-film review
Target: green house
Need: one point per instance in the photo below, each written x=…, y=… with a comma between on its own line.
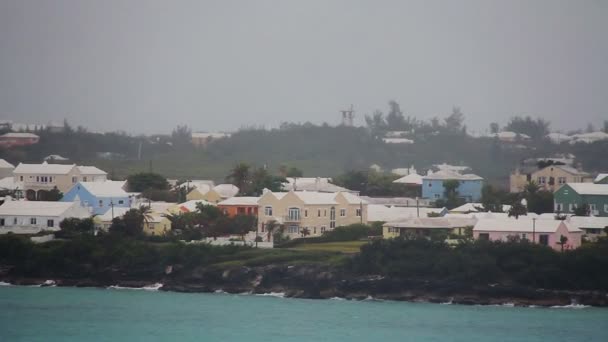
x=573, y=195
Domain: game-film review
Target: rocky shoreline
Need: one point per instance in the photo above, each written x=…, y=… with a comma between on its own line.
x=319, y=282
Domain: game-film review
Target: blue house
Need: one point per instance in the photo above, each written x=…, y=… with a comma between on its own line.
x=469, y=188
x=99, y=197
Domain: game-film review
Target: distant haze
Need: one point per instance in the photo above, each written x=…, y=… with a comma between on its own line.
x=146, y=66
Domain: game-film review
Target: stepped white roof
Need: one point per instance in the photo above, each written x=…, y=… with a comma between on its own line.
x=521, y=225
x=19, y=135
x=382, y=213
x=44, y=168
x=600, y=177
x=6, y=165
x=118, y=212
x=475, y=207
x=240, y=201
x=412, y=178
x=226, y=190
x=34, y=208
x=91, y=170
x=105, y=189
x=433, y=222
x=589, y=188
x=190, y=206
x=446, y=174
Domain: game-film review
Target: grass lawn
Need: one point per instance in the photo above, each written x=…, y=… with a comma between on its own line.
x=349, y=247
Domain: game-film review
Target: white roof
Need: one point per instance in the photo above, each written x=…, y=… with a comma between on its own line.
x=191, y=205
x=55, y=157
x=379, y=212
x=314, y=197
x=412, y=178
x=34, y=208
x=201, y=185
x=44, y=168
x=398, y=140
x=352, y=198
x=312, y=184
x=475, y=207
x=6, y=165
x=569, y=169
x=558, y=137
x=600, y=177
x=91, y=170
x=521, y=225
x=105, y=189
x=588, y=221
x=159, y=207
x=226, y=190
x=19, y=135
x=446, y=174
x=432, y=222
x=240, y=201
x=118, y=212
x=8, y=183
x=589, y=188
x=509, y=135
x=205, y=135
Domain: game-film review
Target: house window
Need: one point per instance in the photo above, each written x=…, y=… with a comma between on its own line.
x=606, y=208
x=293, y=229
x=332, y=214
x=542, y=180
x=33, y=220
x=1, y=222
x=559, y=207
x=101, y=203
x=332, y=224
x=342, y=212
x=84, y=179
x=314, y=230
x=37, y=179
x=319, y=212
x=240, y=210
x=294, y=214
x=593, y=208
x=50, y=223
x=14, y=220
x=484, y=236
x=74, y=179
x=325, y=213
x=571, y=207
x=561, y=180
x=21, y=178
x=322, y=229
x=305, y=212
x=268, y=210
x=524, y=236
x=436, y=195
x=543, y=239
x=121, y=202
x=358, y=212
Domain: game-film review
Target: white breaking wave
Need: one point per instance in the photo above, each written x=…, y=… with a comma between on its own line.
x=450, y=302
x=153, y=287
x=272, y=294
x=5, y=284
x=220, y=291
x=337, y=298
x=509, y=305
x=570, y=306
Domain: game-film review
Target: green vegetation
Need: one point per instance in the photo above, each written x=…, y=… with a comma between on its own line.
x=349, y=247
x=484, y=262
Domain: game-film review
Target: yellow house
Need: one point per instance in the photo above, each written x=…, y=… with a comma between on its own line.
x=214, y=195
x=426, y=226
x=316, y=212
x=157, y=224
x=549, y=178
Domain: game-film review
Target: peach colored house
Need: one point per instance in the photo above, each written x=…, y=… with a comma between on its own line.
x=542, y=231
x=239, y=206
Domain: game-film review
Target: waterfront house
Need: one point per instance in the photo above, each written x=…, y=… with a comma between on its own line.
x=239, y=206
x=202, y=139
x=197, y=188
x=383, y=213
x=545, y=232
x=469, y=187
x=39, y=179
x=549, y=178
x=475, y=208
x=32, y=217
x=593, y=227
x=427, y=226
x=310, y=211
x=154, y=224
x=573, y=195
x=99, y=197
x=213, y=194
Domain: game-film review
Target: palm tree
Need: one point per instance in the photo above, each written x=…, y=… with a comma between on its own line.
x=272, y=226
x=239, y=175
x=562, y=241
x=145, y=214
x=305, y=232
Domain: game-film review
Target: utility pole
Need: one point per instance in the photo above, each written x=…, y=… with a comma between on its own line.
x=361, y=211
x=534, y=230
x=417, y=208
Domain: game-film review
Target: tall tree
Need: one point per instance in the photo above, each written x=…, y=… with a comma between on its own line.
x=536, y=129
x=494, y=127
x=454, y=121
x=181, y=136
x=239, y=176
x=140, y=182
x=395, y=119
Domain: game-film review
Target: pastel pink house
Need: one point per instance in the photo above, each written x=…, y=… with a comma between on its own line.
x=546, y=232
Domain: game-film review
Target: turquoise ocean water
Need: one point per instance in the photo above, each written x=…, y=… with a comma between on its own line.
x=71, y=314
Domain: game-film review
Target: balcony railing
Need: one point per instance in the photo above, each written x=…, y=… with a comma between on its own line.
x=291, y=218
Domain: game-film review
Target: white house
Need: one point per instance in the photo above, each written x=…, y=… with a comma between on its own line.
x=32, y=217
x=6, y=169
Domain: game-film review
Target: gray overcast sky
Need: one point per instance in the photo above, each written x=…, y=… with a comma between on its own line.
x=146, y=66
